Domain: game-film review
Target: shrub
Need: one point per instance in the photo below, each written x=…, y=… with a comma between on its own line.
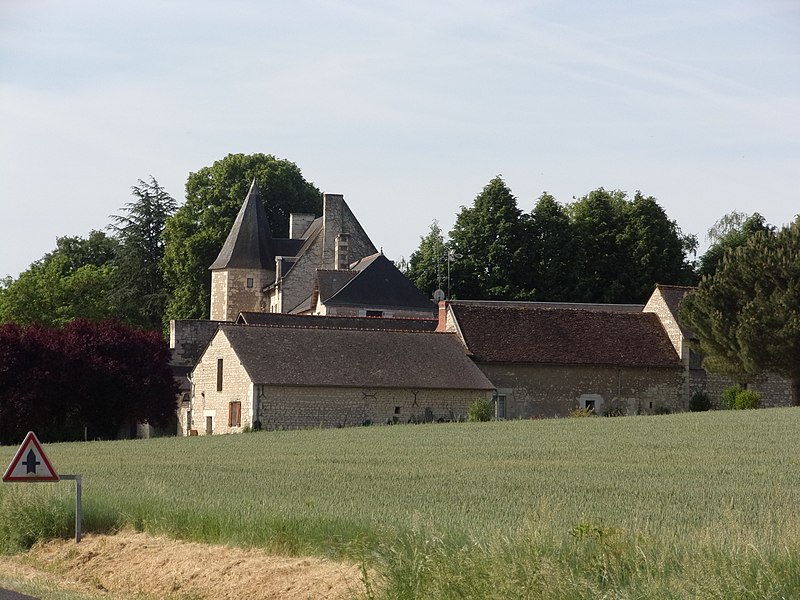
x=737, y=398
x=729, y=396
x=577, y=413
x=747, y=399
x=699, y=402
x=480, y=410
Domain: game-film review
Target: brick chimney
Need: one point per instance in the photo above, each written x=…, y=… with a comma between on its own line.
x=442, y=326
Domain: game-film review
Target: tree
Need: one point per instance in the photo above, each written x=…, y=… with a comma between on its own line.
x=549, y=250
x=487, y=236
x=195, y=233
x=746, y=316
x=427, y=265
x=624, y=248
x=88, y=378
x=74, y=281
x=730, y=231
x=140, y=285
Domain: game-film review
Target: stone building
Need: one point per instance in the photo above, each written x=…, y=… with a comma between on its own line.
x=545, y=359
x=328, y=265
x=774, y=390
x=284, y=377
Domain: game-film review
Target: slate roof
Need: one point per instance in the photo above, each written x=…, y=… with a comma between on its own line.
x=557, y=336
x=249, y=242
x=354, y=358
x=377, y=283
x=336, y=322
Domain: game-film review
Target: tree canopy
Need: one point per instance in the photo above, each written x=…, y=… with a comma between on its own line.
x=140, y=288
x=746, y=315
x=75, y=280
x=196, y=232
x=602, y=247
x=89, y=378
x=730, y=231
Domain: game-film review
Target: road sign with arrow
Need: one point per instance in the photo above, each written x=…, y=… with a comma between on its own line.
x=30, y=463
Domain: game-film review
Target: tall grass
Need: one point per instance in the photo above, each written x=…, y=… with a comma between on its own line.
x=677, y=506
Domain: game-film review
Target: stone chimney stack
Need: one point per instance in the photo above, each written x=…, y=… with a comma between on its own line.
x=342, y=258
x=299, y=224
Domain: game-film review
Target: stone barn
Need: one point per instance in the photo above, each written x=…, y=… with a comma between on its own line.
x=294, y=377
x=546, y=359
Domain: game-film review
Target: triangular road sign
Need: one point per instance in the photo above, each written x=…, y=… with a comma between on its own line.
x=30, y=463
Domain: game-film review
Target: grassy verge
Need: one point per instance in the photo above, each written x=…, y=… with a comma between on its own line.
x=680, y=506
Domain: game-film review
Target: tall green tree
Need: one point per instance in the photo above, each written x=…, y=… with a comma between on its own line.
x=485, y=242
x=427, y=265
x=140, y=287
x=549, y=249
x=730, y=231
x=624, y=248
x=746, y=315
x=195, y=233
x=76, y=280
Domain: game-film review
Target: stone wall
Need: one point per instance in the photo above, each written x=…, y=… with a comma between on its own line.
x=534, y=391
x=656, y=304
x=304, y=407
x=188, y=338
x=231, y=295
x=338, y=219
x=775, y=391
x=236, y=387
x=298, y=283
x=361, y=311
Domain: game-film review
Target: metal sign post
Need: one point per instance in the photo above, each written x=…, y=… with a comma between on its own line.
x=78, y=509
x=28, y=470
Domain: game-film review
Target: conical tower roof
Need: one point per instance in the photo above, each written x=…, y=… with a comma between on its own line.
x=249, y=243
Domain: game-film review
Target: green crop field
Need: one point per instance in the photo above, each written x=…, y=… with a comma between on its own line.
x=702, y=505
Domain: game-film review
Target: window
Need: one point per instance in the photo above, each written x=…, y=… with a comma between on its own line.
x=374, y=313
x=219, y=374
x=589, y=405
x=500, y=406
x=234, y=414
x=249, y=282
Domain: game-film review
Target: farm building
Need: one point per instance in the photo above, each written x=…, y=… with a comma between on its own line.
x=276, y=377
x=545, y=360
x=330, y=333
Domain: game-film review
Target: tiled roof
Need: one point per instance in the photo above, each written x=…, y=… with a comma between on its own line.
x=334, y=322
x=534, y=335
x=378, y=283
x=249, y=242
x=354, y=358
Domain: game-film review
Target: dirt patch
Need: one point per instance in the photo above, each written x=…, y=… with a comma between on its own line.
x=136, y=563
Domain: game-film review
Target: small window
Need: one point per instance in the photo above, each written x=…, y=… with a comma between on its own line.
x=589, y=405
x=500, y=406
x=234, y=414
x=397, y=410
x=219, y=374
x=249, y=282
x=374, y=313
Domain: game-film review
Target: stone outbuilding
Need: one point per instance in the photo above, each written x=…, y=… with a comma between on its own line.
x=274, y=377
x=775, y=390
x=545, y=359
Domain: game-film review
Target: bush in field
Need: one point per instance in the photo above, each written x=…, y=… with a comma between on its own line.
x=737, y=398
x=480, y=410
x=699, y=402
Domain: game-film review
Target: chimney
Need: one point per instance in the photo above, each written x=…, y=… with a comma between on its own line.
x=442, y=326
x=299, y=224
x=342, y=253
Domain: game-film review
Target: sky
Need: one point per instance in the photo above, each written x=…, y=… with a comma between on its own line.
x=407, y=108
